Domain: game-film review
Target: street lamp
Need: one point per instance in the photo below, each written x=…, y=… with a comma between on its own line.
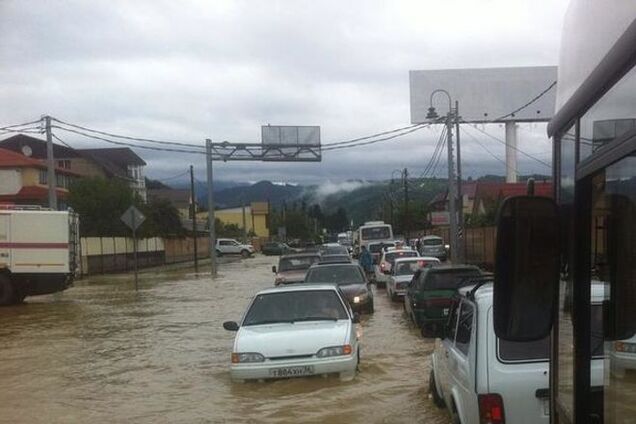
x=455, y=208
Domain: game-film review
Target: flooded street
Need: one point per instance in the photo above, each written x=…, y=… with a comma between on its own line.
x=101, y=352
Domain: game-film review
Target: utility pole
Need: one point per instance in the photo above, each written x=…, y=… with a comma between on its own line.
x=460, y=198
x=50, y=165
x=212, y=247
x=244, y=223
x=193, y=208
x=407, y=222
x=452, y=190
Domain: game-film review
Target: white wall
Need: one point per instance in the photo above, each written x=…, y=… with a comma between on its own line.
x=10, y=181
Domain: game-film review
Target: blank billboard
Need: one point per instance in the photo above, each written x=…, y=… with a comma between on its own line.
x=291, y=143
x=486, y=94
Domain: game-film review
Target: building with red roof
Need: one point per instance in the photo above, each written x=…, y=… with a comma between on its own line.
x=24, y=180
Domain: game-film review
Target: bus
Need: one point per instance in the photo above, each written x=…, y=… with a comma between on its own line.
x=566, y=267
x=372, y=231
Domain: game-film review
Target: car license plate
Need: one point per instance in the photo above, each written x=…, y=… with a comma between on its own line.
x=445, y=311
x=292, y=371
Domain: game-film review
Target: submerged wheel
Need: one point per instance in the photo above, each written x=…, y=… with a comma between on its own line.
x=7, y=291
x=245, y=254
x=218, y=254
x=432, y=386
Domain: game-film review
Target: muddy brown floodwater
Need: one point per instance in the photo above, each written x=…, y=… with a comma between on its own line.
x=101, y=352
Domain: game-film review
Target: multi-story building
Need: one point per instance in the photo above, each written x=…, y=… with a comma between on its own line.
x=121, y=163
x=24, y=180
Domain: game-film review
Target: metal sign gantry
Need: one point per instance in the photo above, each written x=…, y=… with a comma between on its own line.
x=301, y=145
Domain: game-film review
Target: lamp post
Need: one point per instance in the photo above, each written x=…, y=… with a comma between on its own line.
x=454, y=183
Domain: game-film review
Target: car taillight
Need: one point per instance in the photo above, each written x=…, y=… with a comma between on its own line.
x=491, y=409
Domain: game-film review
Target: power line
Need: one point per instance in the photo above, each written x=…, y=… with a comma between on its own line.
x=125, y=137
x=121, y=143
x=6, y=127
x=436, y=153
x=534, y=99
x=163, y=180
x=515, y=148
x=413, y=129
x=372, y=136
x=491, y=153
x=61, y=141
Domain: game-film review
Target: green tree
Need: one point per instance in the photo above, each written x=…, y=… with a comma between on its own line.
x=100, y=203
x=162, y=219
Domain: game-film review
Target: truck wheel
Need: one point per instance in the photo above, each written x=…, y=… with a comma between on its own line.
x=7, y=291
x=432, y=387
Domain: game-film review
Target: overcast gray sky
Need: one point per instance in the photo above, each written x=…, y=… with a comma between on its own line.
x=220, y=69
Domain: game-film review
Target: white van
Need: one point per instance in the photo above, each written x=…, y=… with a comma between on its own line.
x=481, y=378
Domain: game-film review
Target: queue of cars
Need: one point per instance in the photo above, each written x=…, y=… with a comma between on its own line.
x=308, y=328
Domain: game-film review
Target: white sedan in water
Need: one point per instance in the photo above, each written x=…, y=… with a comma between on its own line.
x=295, y=331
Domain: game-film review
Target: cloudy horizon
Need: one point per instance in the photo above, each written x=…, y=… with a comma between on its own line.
x=220, y=70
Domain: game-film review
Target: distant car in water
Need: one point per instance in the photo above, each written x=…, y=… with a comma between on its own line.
x=277, y=248
x=350, y=278
x=433, y=246
x=402, y=273
x=429, y=295
x=385, y=263
x=292, y=268
x=225, y=246
x=295, y=331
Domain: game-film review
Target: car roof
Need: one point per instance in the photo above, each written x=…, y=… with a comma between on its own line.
x=321, y=265
x=298, y=287
x=416, y=258
x=447, y=268
x=301, y=255
x=484, y=294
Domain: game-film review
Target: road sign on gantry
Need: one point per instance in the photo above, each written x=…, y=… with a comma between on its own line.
x=285, y=143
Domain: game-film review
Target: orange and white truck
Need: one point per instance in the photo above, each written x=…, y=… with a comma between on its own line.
x=39, y=251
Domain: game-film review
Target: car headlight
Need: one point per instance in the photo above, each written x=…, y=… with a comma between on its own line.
x=246, y=357
x=328, y=352
x=361, y=297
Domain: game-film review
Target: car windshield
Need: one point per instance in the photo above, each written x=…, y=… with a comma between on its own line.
x=408, y=267
x=376, y=233
x=392, y=256
x=432, y=242
x=448, y=280
x=295, y=306
x=296, y=264
x=340, y=275
x=334, y=250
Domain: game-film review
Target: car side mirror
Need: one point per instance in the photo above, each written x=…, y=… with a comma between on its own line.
x=527, y=264
x=231, y=325
x=274, y=269
x=356, y=318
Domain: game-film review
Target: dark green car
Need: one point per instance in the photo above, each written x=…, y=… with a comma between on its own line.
x=428, y=298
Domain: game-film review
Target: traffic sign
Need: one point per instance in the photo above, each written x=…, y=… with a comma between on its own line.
x=133, y=218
